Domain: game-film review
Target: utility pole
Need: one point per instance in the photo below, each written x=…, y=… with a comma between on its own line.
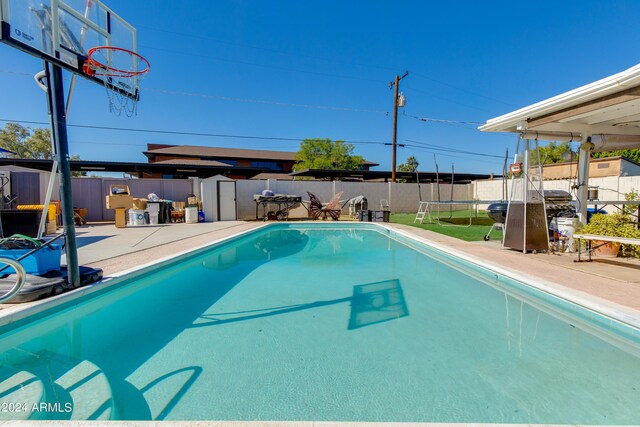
x=395, y=85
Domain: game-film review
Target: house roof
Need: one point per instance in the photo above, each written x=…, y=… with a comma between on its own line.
x=610, y=106
x=271, y=175
x=192, y=162
x=202, y=171
x=386, y=175
x=222, y=152
x=595, y=160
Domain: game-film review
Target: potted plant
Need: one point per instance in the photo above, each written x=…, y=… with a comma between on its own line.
x=617, y=224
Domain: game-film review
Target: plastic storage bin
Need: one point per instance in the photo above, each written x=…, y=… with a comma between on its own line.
x=136, y=217
x=191, y=215
x=45, y=260
x=592, y=211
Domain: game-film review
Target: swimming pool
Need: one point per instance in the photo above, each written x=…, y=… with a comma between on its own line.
x=345, y=322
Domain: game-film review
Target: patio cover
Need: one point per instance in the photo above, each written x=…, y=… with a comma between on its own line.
x=603, y=115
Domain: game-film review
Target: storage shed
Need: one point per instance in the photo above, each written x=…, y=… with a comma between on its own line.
x=218, y=194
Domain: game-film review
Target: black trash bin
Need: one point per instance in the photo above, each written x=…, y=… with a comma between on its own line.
x=164, y=214
x=364, y=215
x=379, y=216
x=24, y=222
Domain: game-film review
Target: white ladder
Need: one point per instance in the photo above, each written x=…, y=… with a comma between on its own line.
x=423, y=210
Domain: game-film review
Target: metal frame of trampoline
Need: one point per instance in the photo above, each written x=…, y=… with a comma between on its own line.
x=425, y=208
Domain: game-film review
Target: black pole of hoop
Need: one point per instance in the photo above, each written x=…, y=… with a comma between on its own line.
x=55, y=99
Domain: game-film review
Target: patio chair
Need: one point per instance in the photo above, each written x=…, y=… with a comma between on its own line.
x=331, y=209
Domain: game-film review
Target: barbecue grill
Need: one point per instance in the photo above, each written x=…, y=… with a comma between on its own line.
x=498, y=213
x=557, y=204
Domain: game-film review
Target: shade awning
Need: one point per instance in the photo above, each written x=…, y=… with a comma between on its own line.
x=609, y=107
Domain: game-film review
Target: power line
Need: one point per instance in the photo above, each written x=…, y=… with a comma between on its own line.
x=17, y=73
x=317, y=73
x=427, y=119
x=281, y=52
x=452, y=150
x=414, y=148
x=170, y=132
x=259, y=101
x=449, y=100
x=465, y=90
x=235, y=99
x=456, y=123
x=286, y=104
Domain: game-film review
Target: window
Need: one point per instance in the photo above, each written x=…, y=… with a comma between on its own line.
x=227, y=161
x=266, y=165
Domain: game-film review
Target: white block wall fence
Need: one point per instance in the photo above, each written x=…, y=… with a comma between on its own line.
x=610, y=188
x=403, y=198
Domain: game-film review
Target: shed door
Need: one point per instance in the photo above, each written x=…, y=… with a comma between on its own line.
x=227, y=201
x=26, y=187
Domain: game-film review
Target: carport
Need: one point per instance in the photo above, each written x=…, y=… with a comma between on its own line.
x=602, y=116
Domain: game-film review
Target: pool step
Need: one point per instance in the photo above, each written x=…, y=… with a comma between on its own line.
x=19, y=393
x=81, y=392
x=89, y=390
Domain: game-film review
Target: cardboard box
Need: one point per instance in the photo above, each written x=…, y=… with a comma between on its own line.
x=139, y=204
x=121, y=218
x=119, y=197
x=115, y=202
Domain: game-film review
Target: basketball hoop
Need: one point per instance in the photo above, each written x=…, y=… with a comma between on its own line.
x=120, y=70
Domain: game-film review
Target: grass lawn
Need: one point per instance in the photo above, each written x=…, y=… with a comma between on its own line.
x=478, y=229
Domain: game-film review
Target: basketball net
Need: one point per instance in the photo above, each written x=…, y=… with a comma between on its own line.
x=122, y=76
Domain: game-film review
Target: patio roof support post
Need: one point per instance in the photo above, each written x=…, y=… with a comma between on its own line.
x=584, y=158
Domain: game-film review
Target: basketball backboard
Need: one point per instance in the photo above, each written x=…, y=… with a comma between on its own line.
x=63, y=32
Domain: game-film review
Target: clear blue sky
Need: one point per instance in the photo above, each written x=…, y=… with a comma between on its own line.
x=467, y=61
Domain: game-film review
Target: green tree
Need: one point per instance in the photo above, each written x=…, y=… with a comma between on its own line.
x=411, y=165
x=30, y=144
x=551, y=153
x=326, y=154
x=629, y=154
x=26, y=143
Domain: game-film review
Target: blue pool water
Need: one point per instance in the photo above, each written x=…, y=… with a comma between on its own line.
x=309, y=322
